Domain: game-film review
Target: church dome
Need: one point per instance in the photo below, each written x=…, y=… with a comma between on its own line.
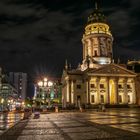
x=96, y=23
x=96, y=16
x=97, y=38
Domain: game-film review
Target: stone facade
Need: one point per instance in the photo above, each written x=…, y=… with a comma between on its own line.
x=110, y=84
x=98, y=80
x=138, y=88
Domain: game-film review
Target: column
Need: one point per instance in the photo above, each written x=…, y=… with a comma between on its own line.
x=125, y=96
x=107, y=98
x=67, y=97
x=86, y=49
x=91, y=47
x=0, y=78
x=133, y=92
x=98, y=90
x=72, y=92
x=98, y=46
x=84, y=57
x=116, y=91
x=63, y=96
x=87, y=90
x=69, y=91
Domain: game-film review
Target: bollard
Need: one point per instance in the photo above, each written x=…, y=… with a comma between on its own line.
x=103, y=108
x=81, y=109
x=26, y=116
x=56, y=109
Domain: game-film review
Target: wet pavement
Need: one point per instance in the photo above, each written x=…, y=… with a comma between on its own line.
x=117, y=124
x=7, y=120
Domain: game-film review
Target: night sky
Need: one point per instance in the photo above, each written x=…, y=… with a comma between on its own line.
x=36, y=36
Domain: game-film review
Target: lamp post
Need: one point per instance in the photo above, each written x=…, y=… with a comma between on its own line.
x=2, y=101
x=44, y=86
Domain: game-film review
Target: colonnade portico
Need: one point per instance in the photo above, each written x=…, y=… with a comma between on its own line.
x=111, y=90
x=101, y=89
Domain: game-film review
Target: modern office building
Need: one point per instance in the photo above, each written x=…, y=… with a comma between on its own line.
x=19, y=80
x=98, y=80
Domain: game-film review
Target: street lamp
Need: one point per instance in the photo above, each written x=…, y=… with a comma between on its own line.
x=2, y=100
x=45, y=83
x=45, y=79
x=50, y=83
x=44, y=87
x=40, y=83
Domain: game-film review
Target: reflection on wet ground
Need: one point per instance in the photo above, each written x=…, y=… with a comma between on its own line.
x=125, y=119
x=117, y=124
x=7, y=120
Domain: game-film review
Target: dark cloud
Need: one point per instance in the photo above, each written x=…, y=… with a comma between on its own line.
x=124, y=21
x=37, y=36
x=121, y=23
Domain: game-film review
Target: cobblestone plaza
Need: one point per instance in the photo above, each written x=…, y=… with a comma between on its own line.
x=119, y=124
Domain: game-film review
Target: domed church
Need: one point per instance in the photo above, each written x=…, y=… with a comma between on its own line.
x=98, y=80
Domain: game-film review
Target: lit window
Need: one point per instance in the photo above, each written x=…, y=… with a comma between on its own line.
x=128, y=86
x=101, y=85
x=92, y=85
x=120, y=86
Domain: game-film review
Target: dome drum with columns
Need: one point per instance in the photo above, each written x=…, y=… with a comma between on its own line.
x=98, y=79
x=97, y=40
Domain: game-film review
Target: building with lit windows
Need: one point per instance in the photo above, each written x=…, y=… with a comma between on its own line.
x=8, y=94
x=98, y=80
x=19, y=80
x=47, y=92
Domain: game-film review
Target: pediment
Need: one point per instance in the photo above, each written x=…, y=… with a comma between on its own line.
x=112, y=69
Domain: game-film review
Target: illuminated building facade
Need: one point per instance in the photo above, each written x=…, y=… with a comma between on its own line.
x=19, y=80
x=98, y=80
x=8, y=94
x=47, y=92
